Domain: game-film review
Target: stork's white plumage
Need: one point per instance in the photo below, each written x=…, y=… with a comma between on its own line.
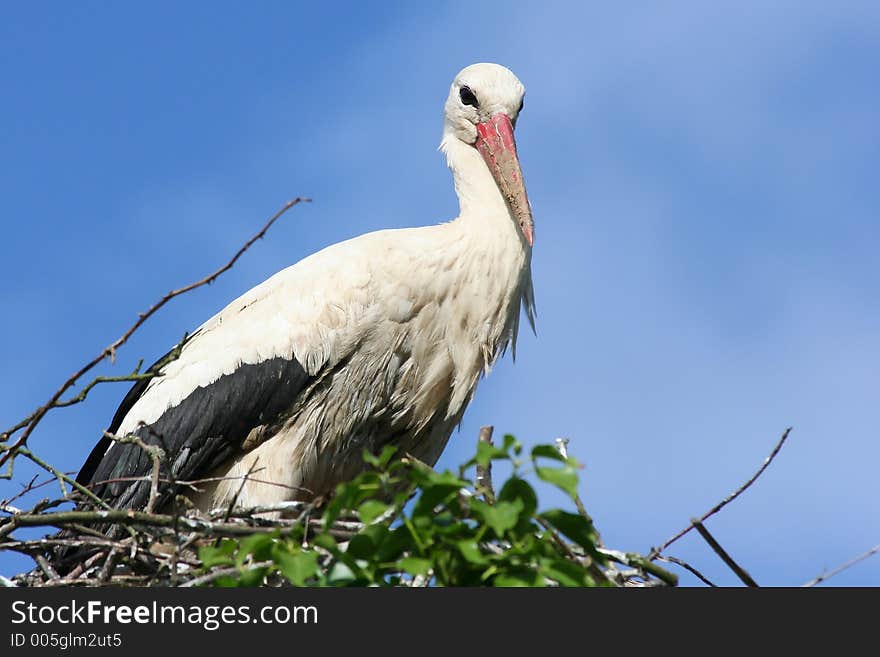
x=380, y=339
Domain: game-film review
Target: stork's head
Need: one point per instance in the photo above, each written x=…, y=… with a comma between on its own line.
x=483, y=105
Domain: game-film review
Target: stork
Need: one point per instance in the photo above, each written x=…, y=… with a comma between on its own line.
x=377, y=340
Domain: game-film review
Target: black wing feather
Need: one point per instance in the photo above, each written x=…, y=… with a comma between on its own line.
x=198, y=434
x=134, y=393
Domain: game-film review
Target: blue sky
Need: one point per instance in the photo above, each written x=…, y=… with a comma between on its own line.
x=704, y=183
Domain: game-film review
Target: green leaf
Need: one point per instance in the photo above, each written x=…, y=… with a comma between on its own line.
x=574, y=526
x=220, y=555
x=257, y=546
x=437, y=489
x=415, y=565
x=487, y=452
x=226, y=582
x=443, y=479
x=501, y=517
x=350, y=494
x=252, y=576
x=380, y=460
x=376, y=533
x=298, y=567
x=564, y=478
x=361, y=546
x=471, y=552
x=516, y=488
x=340, y=574
x=511, y=443
x=370, y=510
x=398, y=541
x=548, y=452
x=444, y=519
x=518, y=577
x=566, y=573
x=325, y=541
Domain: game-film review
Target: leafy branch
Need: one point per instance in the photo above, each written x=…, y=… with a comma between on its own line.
x=397, y=523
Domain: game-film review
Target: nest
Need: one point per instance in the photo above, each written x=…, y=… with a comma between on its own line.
x=148, y=549
x=154, y=549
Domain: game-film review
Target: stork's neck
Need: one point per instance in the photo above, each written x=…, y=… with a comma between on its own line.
x=479, y=198
x=490, y=233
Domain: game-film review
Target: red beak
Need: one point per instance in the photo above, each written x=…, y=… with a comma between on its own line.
x=496, y=144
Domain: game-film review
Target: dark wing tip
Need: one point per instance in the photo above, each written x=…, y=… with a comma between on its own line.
x=198, y=434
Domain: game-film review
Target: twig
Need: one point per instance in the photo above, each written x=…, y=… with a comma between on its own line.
x=598, y=574
x=689, y=568
x=721, y=552
x=129, y=517
x=46, y=567
x=241, y=486
x=62, y=477
x=156, y=454
x=421, y=581
x=247, y=511
x=193, y=484
x=110, y=351
x=852, y=562
x=84, y=393
x=40, y=544
x=223, y=572
x=107, y=568
x=562, y=448
x=484, y=473
x=557, y=539
x=30, y=487
x=634, y=560
x=655, y=552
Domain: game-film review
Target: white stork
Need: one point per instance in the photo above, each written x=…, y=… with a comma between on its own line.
x=377, y=340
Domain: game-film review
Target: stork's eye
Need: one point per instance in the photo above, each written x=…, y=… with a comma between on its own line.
x=467, y=96
x=521, y=104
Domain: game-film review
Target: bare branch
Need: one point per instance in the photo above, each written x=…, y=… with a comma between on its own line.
x=484, y=474
x=562, y=448
x=156, y=454
x=721, y=552
x=62, y=477
x=849, y=564
x=634, y=560
x=193, y=484
x=135, y=375
x=107, y=568
x=127, y=517
x=31, y=486
x=224, y=572
x=689, y=568
x=241, y=486
x=46, y=567
x=110, y=351
x=246, y=512
x=655, y=552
